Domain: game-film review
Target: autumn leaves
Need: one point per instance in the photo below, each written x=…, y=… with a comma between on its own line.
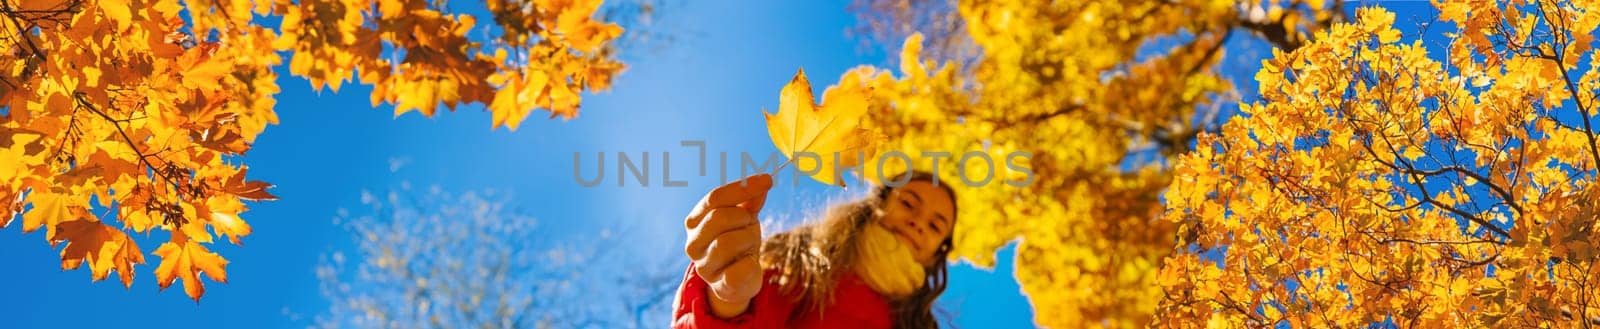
x=127, y=117
x=1422, y=184
x=119, y=124
x=417, y=57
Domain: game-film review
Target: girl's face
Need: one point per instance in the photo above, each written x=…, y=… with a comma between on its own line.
x=921, y=215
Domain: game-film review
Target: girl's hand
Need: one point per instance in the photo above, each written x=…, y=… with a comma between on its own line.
x=725, y=242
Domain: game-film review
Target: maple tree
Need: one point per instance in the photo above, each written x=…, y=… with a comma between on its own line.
x=1382, y=182
x=129, y=116
x=1101, y=94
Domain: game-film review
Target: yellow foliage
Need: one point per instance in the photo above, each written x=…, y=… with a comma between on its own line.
x=127, y=110
x=1374, y=184
x=1102, y=94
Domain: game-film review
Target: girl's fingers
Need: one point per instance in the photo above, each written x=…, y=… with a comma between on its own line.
x=749, y=193
x=740, y=281
x=754, y=204
x=717, y=222
x=728, y=247
x=724, y=237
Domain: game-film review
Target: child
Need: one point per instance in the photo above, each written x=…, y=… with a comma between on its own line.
x=877, y=262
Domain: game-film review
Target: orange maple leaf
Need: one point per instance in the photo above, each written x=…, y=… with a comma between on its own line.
x=104, y=247
x=186, y=259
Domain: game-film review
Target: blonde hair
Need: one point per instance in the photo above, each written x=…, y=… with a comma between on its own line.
x=811, y=258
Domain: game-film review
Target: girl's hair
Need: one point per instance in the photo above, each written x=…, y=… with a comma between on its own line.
x=811, y=259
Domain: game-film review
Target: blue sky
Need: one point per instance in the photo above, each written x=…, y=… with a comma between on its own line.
x=727, y=63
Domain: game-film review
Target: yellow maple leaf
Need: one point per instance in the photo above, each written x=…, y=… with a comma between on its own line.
x=118, y=10
x=186, y=259
x=48, y=210
x=831, y=131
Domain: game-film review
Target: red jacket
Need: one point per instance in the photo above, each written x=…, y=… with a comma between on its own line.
x=855, y=305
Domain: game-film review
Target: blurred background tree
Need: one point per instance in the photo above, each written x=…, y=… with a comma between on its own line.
x=443, y=259
x=1103, y=94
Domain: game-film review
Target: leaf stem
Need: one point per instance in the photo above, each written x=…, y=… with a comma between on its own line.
x=782, y=165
